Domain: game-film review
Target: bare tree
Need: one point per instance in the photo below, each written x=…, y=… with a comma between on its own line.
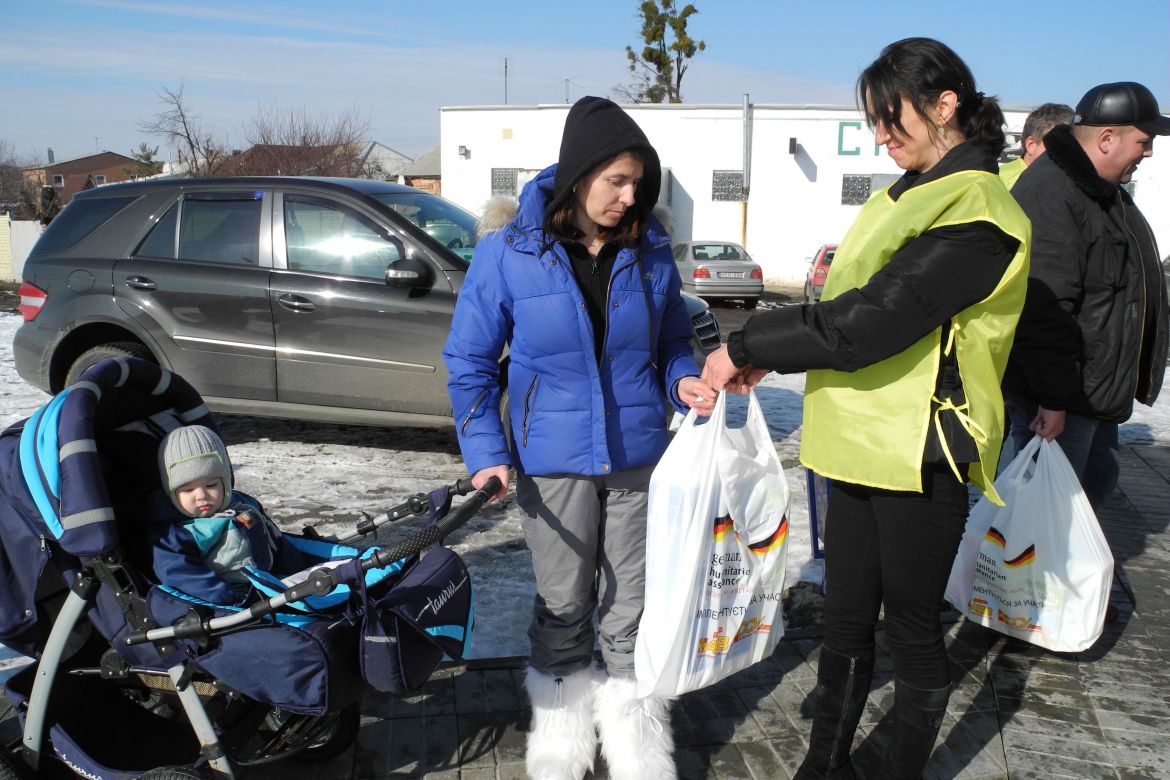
x=296, y=143
x=282, y=143
x=200, y=150
x=665, y=55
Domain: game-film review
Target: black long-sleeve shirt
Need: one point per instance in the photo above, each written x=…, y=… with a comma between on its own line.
x=592, y=274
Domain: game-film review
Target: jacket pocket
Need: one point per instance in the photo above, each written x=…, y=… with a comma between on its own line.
x=529, y=397
x=473, y=411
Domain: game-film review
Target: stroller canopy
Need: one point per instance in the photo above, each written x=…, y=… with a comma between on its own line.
x=118, y=407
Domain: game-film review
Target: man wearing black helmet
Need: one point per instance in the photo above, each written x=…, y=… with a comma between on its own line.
x=1092, y=337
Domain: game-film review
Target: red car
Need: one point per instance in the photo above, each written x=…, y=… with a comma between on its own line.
x=818, y=271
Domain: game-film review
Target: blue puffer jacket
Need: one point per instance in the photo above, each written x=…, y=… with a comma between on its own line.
x=568, y=414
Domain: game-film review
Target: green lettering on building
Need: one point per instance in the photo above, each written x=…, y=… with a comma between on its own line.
x=841, y=150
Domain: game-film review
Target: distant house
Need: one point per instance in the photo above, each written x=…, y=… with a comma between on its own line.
x=69, y=177
x=288, y=160
x=370, y=160
x=424, y=173
x=382, y=162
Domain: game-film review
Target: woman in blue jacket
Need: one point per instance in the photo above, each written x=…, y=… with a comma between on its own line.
x=580, y=285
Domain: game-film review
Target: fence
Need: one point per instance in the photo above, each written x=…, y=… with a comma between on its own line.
x=16, y=241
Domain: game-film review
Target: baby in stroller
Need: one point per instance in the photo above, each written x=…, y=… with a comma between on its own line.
x=171, y=679
x=226, y=532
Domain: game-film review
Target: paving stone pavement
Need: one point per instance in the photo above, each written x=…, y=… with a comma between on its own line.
x=1016, y=712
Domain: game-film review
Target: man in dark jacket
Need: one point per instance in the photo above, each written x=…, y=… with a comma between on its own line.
x=1092, y=337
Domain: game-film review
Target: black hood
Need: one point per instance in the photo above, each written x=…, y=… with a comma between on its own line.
x=596, y=130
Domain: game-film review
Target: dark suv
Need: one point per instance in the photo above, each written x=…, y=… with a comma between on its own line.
x=313, y=299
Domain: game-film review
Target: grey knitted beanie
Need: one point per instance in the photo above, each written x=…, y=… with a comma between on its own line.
x=194, y=452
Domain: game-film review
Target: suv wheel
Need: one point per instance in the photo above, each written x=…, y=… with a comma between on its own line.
x=115, y=349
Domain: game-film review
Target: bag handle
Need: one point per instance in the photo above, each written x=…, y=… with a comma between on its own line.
x=718, y=419
x=1023, y=466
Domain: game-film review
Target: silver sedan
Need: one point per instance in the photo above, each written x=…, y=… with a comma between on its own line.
x=719, y=269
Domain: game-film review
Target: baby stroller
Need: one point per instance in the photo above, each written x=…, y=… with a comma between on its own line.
x=136, y=679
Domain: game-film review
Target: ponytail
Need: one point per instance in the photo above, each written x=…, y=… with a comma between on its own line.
x=981, y=120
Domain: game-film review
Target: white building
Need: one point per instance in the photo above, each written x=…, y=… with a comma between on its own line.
x=810, y=169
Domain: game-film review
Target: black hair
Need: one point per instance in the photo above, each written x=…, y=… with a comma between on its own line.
x=921, y=69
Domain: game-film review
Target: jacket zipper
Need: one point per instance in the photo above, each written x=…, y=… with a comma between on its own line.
x=527, y=409
x=471, y=412
x=608, y=292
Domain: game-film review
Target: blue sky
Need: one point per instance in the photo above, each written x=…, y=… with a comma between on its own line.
x=79, y=75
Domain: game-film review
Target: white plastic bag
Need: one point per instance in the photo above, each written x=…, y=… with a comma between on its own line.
x=1037, y=568
x=716, y=544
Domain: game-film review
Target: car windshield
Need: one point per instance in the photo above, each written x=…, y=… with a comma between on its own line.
x=717, y=252
x=441, y=219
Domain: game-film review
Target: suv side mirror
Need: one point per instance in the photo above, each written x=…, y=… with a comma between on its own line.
x=409, y=271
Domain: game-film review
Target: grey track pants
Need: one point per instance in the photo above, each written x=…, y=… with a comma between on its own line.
x=588, y=541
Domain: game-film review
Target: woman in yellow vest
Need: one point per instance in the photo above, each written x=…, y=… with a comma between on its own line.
x=902, y=405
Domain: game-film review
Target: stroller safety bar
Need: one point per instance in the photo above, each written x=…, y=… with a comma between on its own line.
x=323, y=580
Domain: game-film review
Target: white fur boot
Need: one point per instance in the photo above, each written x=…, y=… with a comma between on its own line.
x=636, y=737
x=562, y=742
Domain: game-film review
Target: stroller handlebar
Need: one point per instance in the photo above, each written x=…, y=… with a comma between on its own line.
x=433, y=533
x=415, y=506
x=323, y=580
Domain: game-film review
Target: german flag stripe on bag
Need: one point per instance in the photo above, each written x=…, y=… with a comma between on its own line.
x=1023, y=559
x=765, y=546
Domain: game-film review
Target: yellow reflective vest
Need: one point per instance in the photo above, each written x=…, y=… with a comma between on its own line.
x=1010, y=171
x=870, y=426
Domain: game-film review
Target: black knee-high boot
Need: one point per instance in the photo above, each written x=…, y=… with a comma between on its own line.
x=842, y=686
x=918, y=714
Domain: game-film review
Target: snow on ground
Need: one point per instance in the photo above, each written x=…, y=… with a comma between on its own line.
x=325, y=475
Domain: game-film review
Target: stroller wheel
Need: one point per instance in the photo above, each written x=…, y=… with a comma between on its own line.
x=336, y=739
x=173, y=773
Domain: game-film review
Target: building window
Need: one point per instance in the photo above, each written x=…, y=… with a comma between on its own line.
x=727, y=185
x=504, y=181
x=58, y=180
x=99, y=178
x=856, y=188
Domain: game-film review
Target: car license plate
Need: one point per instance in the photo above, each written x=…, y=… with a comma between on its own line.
x=731, y=274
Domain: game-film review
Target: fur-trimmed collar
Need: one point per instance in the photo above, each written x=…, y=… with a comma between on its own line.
x=1065, y=151
x=497, y=213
